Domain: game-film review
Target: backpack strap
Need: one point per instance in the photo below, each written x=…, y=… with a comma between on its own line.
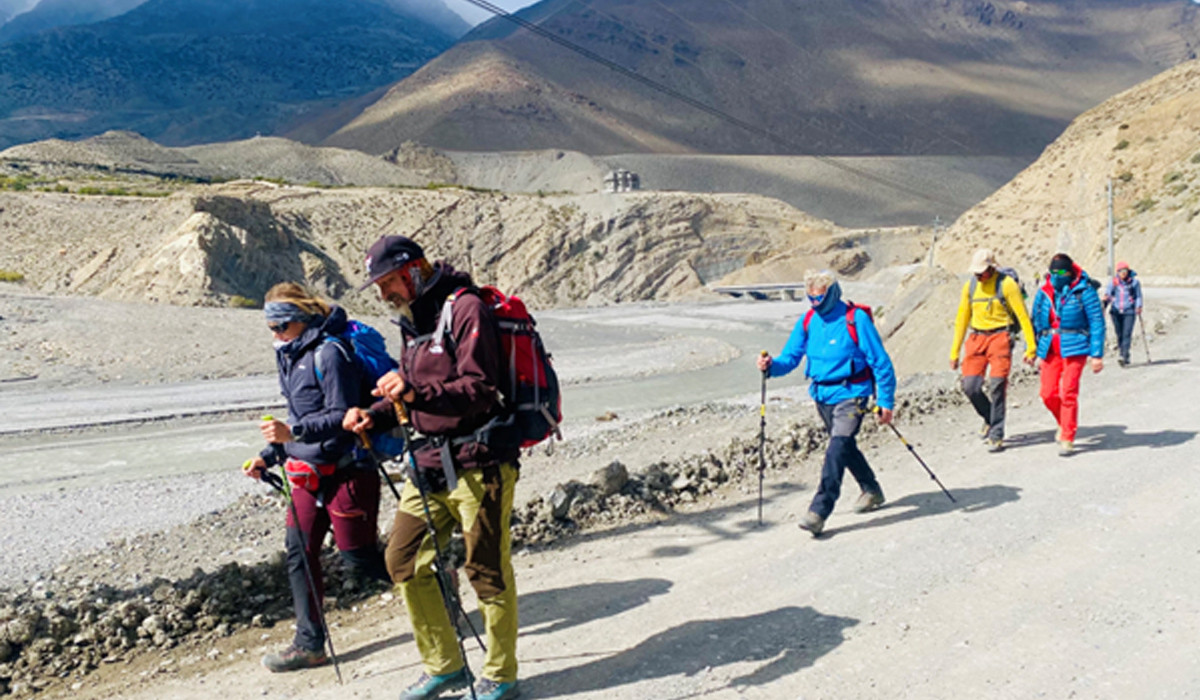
x=339, y=343
x=851, y=326
x=808, y=317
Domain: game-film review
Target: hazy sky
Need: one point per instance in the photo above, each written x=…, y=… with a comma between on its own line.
x=475, y=15
x=471, y=13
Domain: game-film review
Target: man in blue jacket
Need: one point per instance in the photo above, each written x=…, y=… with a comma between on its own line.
x=846, y=366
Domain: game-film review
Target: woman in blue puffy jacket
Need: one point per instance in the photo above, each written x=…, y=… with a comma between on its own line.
x=1068, y=321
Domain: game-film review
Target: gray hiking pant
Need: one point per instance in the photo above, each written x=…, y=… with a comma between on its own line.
x=991, y=405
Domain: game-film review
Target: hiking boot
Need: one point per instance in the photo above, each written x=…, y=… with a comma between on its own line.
x=995, y=445
x=428, y=687
x=293, y=659
x=812, y=522
x=1123, y=362
x=983, y=432
x=488, y=689
x=868, y=501
x=1066, y=448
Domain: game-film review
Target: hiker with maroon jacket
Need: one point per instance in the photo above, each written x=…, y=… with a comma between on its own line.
x=448, y=380
x=1069, y=323
x=846, y=365
x=1123, y=297
x=320, y=380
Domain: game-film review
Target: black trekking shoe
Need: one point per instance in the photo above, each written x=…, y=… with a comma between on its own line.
x=294, y=659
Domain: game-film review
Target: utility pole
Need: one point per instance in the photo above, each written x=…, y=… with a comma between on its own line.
x=1111, y=253
x=937, y=228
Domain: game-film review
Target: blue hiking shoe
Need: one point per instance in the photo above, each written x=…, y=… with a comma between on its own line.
x=428, y=687
x=488, y=689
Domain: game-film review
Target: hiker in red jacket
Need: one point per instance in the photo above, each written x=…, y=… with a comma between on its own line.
x=448, y=379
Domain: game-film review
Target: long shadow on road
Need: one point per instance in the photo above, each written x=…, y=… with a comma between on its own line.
x=920, y=505
x=786, y=640
x=545, y=612
x=1117, y=437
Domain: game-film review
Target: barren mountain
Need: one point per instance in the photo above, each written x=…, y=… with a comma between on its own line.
x=49, y=14
x=207, y=244
x=186, y=71
x=830, y=77
x=1147, y=140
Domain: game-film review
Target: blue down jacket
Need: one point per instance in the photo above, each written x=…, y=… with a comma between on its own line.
x=1076, y=318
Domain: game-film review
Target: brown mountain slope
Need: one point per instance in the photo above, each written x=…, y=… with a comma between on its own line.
x=1147, y=139
x=831, y=77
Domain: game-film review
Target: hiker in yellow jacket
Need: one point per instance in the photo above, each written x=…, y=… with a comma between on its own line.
x=992, y=315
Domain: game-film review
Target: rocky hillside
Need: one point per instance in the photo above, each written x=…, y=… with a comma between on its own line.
x=958, y=77
x=49, y=14
x=184, y=71
x=1147, y=140
x=207, y=244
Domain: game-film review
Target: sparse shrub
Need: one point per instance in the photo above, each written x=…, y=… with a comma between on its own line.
x=1144, y=206
x=238, y=301
x=1123, y=127
x=62, y=188
x=1125, y=176
x=1172, y=176
x=1121, y=145
x=1196, y=158
x=89, y=190
x=116, y=192
x=18, y=186
x=1178, y=189
x=314, y=183
x=11, y=276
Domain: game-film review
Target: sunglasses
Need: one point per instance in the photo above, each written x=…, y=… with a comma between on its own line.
x=1061, y=273
x=279, y=327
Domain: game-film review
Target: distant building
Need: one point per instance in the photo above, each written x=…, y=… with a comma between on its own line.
x=622, y=181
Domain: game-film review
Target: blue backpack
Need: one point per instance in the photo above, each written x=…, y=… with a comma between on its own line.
x=369, y=351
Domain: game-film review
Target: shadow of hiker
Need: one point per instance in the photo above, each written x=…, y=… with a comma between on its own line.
x=1040, y=437
x=920, y=505
x=787, y=640
x=1117, y=437
x=562, y=608
x=544, y=612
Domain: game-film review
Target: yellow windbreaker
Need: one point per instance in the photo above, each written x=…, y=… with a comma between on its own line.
x=986, y=313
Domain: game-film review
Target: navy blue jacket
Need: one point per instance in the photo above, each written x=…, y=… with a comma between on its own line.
x=317, y=404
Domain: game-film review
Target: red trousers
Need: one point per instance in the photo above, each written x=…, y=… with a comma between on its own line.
x=1060, y=390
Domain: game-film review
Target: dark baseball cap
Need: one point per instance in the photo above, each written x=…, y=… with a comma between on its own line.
x=387, y=254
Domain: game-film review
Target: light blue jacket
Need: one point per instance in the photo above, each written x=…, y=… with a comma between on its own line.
x=1081, y=319
x=833, y=357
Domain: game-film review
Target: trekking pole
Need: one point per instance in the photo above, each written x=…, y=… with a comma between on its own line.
x=875, y=409
x=456, y=603
x=762, y=442
x=442, y=575
x=1145, y=342
x=283, y=486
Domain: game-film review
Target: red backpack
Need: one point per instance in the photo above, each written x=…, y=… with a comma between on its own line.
x=531, y=390
x=850, y=324
x=865, y=374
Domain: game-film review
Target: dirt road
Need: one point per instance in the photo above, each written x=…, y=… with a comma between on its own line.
x=1053, y=577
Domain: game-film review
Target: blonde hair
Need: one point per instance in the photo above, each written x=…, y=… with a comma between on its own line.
x=818, y=278
x=292, y=293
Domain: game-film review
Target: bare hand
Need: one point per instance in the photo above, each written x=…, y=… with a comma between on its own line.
x=393, y=387
x=764, y=362
x=357, y=421
x=275, y=431
x=254, y=468
x=885, y=416
x=1097, y=365
x=1037, y=364
x=954, y=365
x=1030, y=360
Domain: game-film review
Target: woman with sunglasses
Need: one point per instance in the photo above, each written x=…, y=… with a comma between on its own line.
x=320, y=379
x=1068, y=320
